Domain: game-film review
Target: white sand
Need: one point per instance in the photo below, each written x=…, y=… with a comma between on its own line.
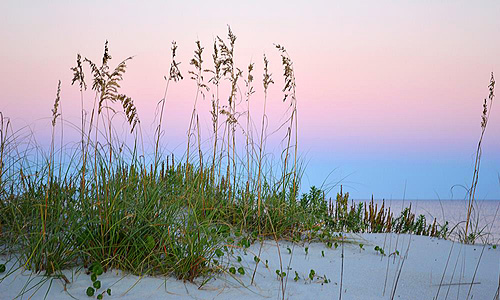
x=364, y=274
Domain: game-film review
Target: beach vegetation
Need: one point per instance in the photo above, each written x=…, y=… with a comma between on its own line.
x=108, y=204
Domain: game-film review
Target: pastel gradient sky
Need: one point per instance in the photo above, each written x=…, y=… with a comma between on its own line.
x=390, y=92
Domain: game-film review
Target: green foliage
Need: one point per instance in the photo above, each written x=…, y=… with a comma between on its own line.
x=241, y=271
x=326, y=280
x=380, y=250
x=219, y=252
x=280, y=274
x=314, y=203
x=321, y=217
x=312, y=273
x=95, y=270
x=96, y=284
x=111, y=207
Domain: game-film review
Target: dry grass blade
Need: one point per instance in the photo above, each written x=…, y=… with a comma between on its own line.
x=470, y=238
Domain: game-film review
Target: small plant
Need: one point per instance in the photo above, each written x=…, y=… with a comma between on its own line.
x=257, y=259
x=494, y=247
x=361, y=247
x=232, y=270
x=280, y=274
x=289, y=250
x=380, y=250
x=325, y=280
x=97, y=284
x=307, y=250
x=322, y=253
x=241, y=271
x=101, y=295
x=296, y=278
x=2, y=268
x=96, y=270
x=244, y=243
x=219, y=253
x=311, y=274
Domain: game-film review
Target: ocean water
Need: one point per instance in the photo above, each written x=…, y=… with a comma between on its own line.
x=486, y=214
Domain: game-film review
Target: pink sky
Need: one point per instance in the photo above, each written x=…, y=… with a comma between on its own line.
x=388, y=91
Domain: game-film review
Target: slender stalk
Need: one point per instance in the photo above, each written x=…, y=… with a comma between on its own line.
x=249, y=92
x=174, y=75
x=267, y=80
x=289, y=90
x=50, y=164
x=228, y=68
x=475, y=176
x=79, y=76
x=215, y=103
x=475, y=272
x=198, y=77
x=444, y=271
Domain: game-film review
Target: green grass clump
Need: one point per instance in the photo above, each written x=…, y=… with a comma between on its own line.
x=327, y=216
x=104, y=203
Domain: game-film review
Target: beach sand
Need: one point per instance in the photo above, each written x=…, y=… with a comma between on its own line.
x=418, y=270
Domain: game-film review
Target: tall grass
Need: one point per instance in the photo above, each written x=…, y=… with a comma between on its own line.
x=175, y=75
x=110, y=205
x=471, y=237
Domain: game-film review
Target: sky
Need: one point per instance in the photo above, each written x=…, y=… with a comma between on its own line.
x=389, y=93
